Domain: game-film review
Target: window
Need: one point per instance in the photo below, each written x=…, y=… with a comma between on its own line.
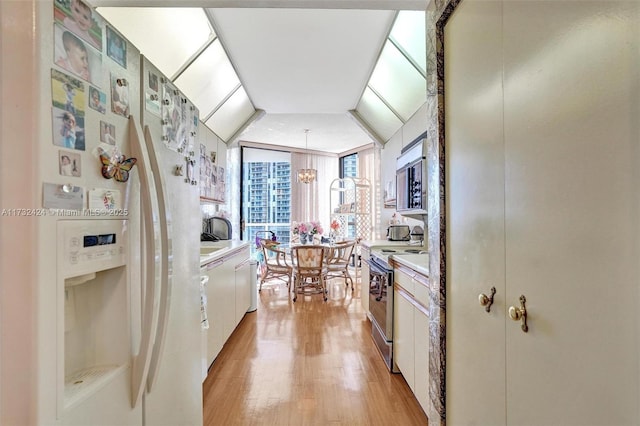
x=266, y=194
x=349, y=169
x=349, y=166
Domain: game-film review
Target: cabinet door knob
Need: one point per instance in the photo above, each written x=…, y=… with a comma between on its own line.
x=487, y=301
x=515, y=313
x=520, y=314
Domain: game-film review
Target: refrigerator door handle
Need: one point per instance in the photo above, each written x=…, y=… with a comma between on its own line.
x=150, y=266
x=164, y=216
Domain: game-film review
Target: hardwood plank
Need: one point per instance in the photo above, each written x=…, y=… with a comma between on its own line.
x=306, y=363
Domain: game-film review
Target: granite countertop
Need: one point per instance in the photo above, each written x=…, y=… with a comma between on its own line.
x=211, y=251
x=417, y=262
x=386, y=243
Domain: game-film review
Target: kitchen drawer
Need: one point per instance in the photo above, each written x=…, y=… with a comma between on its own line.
x=421, y=294
x=421, y=289
x=404, y=277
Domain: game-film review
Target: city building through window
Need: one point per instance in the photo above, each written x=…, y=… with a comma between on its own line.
x=266, y=194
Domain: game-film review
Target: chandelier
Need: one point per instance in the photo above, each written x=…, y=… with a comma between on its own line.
x=306, y=175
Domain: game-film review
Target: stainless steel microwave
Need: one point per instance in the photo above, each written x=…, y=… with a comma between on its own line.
x=411, y=179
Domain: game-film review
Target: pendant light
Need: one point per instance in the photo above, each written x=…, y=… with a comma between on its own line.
x=306, y=175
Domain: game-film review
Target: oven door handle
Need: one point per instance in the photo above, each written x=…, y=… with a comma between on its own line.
x=375, y=269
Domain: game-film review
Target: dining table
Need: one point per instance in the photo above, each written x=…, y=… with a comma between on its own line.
x=287, y=248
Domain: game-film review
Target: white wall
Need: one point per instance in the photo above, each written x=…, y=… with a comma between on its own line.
x=213, y=143
x=408, y=132
x=18, y=183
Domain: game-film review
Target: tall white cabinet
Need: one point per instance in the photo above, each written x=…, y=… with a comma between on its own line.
x=542, y=102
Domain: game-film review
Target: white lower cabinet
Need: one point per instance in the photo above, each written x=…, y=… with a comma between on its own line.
x=243, y=288
x=411, y=331
x=228, y=297
x=421, y=357
x=215, y=306
x=403, y=337
x=364, y=279
x=225, y=281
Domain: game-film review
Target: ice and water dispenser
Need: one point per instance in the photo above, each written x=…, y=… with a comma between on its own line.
x=94, y=338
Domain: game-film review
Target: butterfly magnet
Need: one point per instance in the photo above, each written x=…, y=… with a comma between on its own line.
x=116, y=165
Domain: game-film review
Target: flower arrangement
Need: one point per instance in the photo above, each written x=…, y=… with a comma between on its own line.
x=295, y=227
x=309, y=228
x=335, y=226
x=315, y=228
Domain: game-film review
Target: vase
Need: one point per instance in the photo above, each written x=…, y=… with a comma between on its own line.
x=304, y=238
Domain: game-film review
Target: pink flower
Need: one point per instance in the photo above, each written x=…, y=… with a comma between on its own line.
x=311, y=228
x=314, y=227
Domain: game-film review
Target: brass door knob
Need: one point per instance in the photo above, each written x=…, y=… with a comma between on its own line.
x=515, y=313
x=487, y=301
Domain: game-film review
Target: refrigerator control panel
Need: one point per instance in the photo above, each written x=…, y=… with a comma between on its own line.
x=86, y=246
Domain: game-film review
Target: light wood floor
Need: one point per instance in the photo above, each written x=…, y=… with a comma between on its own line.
x=306, y=363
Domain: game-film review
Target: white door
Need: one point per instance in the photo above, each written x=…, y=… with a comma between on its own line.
x=475, y=374
x=572, y=104
x=570, y=158
x=174, y=393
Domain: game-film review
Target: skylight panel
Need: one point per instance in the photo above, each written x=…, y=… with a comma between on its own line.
x=168, y=37
x=377, y=115
x=209, y=79
x=226, y=121
x=398, y=82
x=409, y=33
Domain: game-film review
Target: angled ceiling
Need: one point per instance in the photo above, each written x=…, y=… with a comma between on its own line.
x=300, y=60
x=266, y=74
x=305, y=68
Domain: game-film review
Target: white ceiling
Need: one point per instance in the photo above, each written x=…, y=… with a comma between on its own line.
x=334, y=133
x=300, y=60
x=305, y=68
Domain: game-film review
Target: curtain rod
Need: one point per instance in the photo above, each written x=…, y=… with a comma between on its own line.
x=270, y=147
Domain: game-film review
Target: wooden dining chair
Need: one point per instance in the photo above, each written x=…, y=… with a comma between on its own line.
x=274, y=263
x=309, y=270
x=338, y=261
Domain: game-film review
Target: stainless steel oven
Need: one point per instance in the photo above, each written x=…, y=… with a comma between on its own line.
x=381, y=298
x=381, y=306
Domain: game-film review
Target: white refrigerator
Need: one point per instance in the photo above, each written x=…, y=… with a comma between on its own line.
x=100, y=306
